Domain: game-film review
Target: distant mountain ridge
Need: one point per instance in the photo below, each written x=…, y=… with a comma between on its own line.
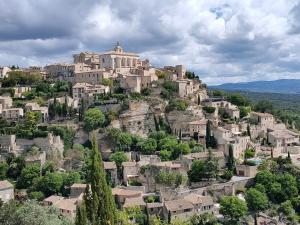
x=287, y=86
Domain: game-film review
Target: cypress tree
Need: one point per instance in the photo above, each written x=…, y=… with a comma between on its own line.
x=102, y=203
x=81, y=216
x=208, y=135
x=199, y=101
x=248, y=131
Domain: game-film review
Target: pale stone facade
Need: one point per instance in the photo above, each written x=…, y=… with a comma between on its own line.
x=5, y=102
x=246, y=171
x=12, y=114
x=34, y=107
x=72, y=103
x=190, y=205
x=4, y=70
x=230, y=109
x=20, y=90
x=6, y=191
x=85, y=90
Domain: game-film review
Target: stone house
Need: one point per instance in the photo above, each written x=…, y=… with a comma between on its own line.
x=39, y=158
x=77, y=190
x=246, y=170
x=130, y=171
x=111, y=172
x=134, y=202
x=86, y=91
x=4, y=70
x=122, y=194
x=93, y=76
x=72, y=103
x=8, y=144
x=20, y=90
x=188, y=206
x=284, y=140
x=155, y=209
x=5, y=102
x=219, y=103
x=12, y=114
x=130, y=82
x=52, y=145
x=34, y=107
x=187, y=160
x=66, y=206
x=266, y=120
x=6, y=191
x=198, y=129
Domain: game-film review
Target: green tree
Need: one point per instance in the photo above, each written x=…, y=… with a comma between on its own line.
x=31, y=213
x=29, y=173
x=101, y=204
x=118, y=158
x=257, y=201
x=148, y=146
x=204, y=219
x=93, y=119
x=124, y=141
x=3, y=170
x=81, y=216
x=51, y=183
x=165, y=155
x=233, y=208
x=181, y=149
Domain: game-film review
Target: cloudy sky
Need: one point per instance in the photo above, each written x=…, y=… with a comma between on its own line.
x=221, y=40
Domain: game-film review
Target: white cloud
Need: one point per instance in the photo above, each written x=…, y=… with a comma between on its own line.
x=222, y=40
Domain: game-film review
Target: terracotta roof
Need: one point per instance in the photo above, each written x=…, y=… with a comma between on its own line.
x=262, y=114
x=126, y=192
x=5, y=184
x=80, y=85
x=131, y=202
x=109, y=165
x=154, y=205
x=179, y=204
x=129, y=164
x=199, y=199
x=203, y=155
x=168, y=164
x=67, y=204
x=198, y=122
x=53, y=199
x=78, y=186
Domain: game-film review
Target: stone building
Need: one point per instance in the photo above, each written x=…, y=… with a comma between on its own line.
x=77, y=189
x=64, y=71
x=66, y=206
x=12, y=114
x=246, y=170
x=187, y=160
x=87, y=91
x=34, y=107
x=93, y=76
x=20, y=90
x=185, y=208
x=5, y=102
x=72, y=103
x=4, y=70
x=50, y=144
x=6, y=191
x=220, y=104
x=130, y=171
x=111, y=172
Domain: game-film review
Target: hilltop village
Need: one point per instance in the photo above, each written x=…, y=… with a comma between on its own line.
x=172, y=150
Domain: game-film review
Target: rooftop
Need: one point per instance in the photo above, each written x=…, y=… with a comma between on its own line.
x=179, y=204
x=5, y=184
